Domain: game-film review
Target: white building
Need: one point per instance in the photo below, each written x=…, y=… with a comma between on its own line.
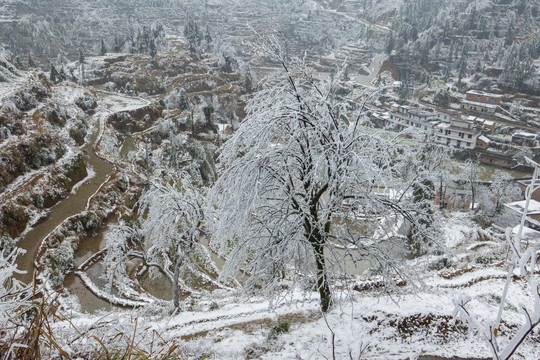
x=407, y=116
x=459, y=133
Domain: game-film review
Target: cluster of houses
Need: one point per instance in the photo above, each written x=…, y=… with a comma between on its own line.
x=451, y=127
x=448, y=127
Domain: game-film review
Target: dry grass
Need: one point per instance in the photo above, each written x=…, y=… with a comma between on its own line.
x=31, y=335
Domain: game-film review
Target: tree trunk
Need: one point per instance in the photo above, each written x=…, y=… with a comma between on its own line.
x=192, y=125
x=473, y=191
x=176, y=294
x=322, y=280
x=441, y=195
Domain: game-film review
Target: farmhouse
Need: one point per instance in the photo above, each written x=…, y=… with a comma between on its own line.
x=522, y=138
x=480, y=101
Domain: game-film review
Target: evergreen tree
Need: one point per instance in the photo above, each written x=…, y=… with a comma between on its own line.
x=152, y=49
x=193, y=36
x=208, y=37
x=228, y=64
x=208, y=111
x=478, y=67
x=510, y=34
x=183, y=100
x=18, y=63
x=462, y=70
x=31, y=63
x=118, y=44
x=54, y=76
x=390, y=43
x=102, y=49
x=81, y=57
x=62, y=74
x=81, y=61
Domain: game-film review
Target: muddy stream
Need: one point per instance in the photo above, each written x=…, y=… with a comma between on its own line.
x=75, y=203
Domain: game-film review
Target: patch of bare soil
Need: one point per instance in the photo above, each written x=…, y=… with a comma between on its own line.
x=250, y=327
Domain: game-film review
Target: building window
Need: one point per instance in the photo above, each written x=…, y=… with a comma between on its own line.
x=468, y=144
x=438, y=138
x=469, y=136
x=458, y=143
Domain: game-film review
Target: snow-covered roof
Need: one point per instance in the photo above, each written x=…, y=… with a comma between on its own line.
x=527, y=232
x=484, y=139
x=419, y=112
x=449, y=111
x=443, y=125
x=519, y=207
x=524, y=134
x=491, y=106
x=527, y=182
x=488, y=123
x=478, y=92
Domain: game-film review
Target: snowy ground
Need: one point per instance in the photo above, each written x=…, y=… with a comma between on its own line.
x=409, y=325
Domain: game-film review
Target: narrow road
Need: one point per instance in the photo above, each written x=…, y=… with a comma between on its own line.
x=377, y=63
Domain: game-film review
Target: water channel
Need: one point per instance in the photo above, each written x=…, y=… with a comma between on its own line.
x=73, y=204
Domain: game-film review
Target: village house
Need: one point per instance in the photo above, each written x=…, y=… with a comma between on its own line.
x=447, y=126
x=523, y=186
x=459, y=133
x=488, y=126
x=447, y=115
x=522, y=138
x=405, y=116
x=482, y=142
x=533, y=211
x=495, y=159
x=480, y=101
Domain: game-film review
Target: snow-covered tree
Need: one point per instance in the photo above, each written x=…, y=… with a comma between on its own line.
x=13, y=296
x=471, y=175
x=302, y=177
x=168, y=239
x=192, y=35
x=102, y=48
x=178, y=99
x=503, y=190
x=54, y=76
x=81, y=62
